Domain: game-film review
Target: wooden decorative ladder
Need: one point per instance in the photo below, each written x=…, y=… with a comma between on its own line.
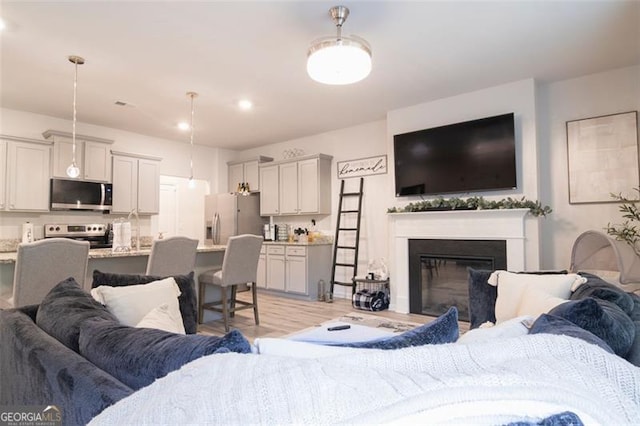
x=342, y=232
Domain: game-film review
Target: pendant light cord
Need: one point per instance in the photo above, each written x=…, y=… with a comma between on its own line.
x=191, y=142
x=73, y=134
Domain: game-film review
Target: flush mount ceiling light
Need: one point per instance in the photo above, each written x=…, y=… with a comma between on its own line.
x=192, y=183
x=73, y=171
x=339, y=60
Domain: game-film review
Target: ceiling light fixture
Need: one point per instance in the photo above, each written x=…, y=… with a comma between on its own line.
x=73, y=171
x=192, y=183
x=339, y=60
x=245, y=104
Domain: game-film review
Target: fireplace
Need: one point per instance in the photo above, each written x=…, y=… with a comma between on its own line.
x=438, y=272
x=511, y=225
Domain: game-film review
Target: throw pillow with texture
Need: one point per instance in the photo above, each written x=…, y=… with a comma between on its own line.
x=604, y=319
x=138, y=356
x=512, y=286
x=551, y=324
x=65, y=308
x=162, y=318
x=598, y=288
x=132, y=303
x=482, y=295
x=187, y=300
x=443, y=329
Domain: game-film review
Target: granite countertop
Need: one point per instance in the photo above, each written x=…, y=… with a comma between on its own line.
x=10, y=257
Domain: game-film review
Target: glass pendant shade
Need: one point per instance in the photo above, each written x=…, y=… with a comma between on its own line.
x=343, y=61
x=73, y=171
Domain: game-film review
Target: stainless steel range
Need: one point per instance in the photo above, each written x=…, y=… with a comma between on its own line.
x=98, y=234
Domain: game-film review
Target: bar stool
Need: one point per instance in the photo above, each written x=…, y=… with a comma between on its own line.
x=41, y=265
x=239, y=266
x=172, y=256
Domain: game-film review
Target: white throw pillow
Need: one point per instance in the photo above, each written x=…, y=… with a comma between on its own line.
x=162, y=318
x=131, y=303
x=535, y=302
x=512, y=287
x=514, y=327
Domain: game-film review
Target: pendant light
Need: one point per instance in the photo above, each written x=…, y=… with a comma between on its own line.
x=339, y=60
x=192, y=183
x=73, y=171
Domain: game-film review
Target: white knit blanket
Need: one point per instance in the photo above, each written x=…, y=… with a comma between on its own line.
x=522, y=378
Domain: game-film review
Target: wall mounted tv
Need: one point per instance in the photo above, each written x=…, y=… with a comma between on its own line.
x=478, y=155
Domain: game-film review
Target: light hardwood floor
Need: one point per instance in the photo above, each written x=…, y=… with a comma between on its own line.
x=280, y=316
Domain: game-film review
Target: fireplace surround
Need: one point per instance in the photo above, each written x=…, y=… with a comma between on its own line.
x=519, y=233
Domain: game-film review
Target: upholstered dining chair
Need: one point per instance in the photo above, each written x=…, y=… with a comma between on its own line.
x=239, y=266
x=43, y=264
x=172, y=256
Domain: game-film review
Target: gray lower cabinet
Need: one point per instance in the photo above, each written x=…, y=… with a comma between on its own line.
x=294, y=270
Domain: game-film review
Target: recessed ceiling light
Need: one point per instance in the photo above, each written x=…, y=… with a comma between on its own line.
x=3, y=24
x=183, y=125
x=245, y=104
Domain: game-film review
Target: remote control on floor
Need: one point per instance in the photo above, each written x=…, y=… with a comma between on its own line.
x=339, y=327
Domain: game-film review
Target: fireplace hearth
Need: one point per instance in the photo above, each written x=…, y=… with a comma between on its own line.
x=438, y=272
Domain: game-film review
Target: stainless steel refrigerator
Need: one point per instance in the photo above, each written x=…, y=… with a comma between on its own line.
x=231, y=214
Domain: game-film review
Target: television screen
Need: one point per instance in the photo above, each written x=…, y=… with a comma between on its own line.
x=478, y=155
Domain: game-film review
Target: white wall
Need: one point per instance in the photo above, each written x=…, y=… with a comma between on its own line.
x=589, y=96
x=519, y=98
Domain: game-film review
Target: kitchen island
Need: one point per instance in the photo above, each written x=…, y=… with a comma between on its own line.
x=104, y=260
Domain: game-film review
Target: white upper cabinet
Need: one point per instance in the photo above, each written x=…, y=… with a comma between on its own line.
x=247, y=172
x=3, y=174
x=269, y=194
x=93, y=156
x=302, y=186
x=136, y=183
x=26, y=165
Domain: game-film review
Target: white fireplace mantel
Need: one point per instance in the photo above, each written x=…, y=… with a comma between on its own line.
x=508, y=225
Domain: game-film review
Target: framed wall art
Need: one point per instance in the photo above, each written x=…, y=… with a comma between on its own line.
x=362, y=167
x=602, y=154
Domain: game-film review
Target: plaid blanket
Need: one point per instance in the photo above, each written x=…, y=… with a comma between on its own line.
x=369, y=300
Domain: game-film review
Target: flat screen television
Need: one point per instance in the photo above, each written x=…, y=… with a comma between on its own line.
x=477, y=155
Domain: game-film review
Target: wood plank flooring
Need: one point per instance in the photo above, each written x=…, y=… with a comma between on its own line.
x=280, y=316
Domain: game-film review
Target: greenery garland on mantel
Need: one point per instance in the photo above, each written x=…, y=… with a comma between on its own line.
x=473, y=203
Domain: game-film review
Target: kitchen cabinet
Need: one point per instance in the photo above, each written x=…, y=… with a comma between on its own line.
x=26, y=164
x=245, y=172
x=93, y=155
x=261, y=280
x=269, y=193
x=275, y=268
x=298, y=186
x=136, y=183
x=295, y=270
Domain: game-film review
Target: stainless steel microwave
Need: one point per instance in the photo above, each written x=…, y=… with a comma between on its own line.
x=80, y=195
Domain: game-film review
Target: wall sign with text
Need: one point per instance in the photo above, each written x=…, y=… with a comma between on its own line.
x=362, y=167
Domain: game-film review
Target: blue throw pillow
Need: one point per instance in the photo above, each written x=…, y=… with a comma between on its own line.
x=138, y=356
x=551, y=324
x=482, y=298
x=65, y=308
x=187, y=299
x=633, y=356
x=604, y=319
x=598, y=288
x=443, y=329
